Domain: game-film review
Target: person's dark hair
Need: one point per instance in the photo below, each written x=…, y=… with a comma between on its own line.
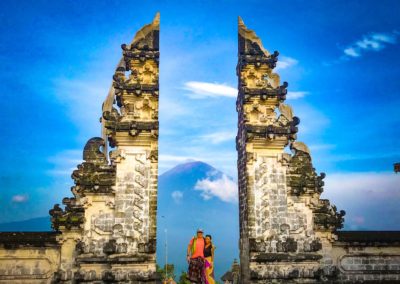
x=209, y=236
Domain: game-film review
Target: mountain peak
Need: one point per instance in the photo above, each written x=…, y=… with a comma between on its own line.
x=189, y=167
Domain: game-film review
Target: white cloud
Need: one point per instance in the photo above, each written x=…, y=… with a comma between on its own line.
x=83, y=99
x=312, y=121
x=370, y=198
x=204, y=89
x=364, y=156
x=371, y=42
x=321, y=147
x=218, y=137
x=65, y=162
x=177, y=158
x=296, y=95
x=224, y=188
x=20, y=198
x=352, y=52
x=177, y=196
x=285, y=62
x=166, y=105
x=379, y=184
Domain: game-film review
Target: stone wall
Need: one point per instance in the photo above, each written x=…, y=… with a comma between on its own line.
x=28, y=257
x=366, y=256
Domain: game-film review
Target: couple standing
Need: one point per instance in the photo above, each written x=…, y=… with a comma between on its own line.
x=200, y=256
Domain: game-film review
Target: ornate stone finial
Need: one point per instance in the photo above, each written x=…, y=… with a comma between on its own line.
x=94, y=175
x=286, y=111
x=300, y=147
x=249, y=41
x=92, y=152
x=156, y=19
x=148, y=35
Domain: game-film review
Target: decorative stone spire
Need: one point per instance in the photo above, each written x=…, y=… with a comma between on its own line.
x=109, y=226
x=261, y=95
x=136, y=93
x=282, y=218
x=249, y=42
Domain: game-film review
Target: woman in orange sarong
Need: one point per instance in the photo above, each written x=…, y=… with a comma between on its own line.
x=209, y=257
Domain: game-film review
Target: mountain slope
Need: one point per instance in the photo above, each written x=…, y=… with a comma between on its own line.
x=183, y=215
x=30, y=225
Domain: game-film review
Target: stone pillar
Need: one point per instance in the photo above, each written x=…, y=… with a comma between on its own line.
x=283, y=223
x=132, y=127
x=109, y=226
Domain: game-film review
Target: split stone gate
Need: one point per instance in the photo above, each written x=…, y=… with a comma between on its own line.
x=107, y=231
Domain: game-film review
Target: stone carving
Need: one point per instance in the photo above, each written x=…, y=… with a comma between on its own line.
x=111, y=220
x=136, y=95
x=371, y=263
x=106, y=232
x=300, y=147
x=71, y=217
x=94, y=174
x=281, y=215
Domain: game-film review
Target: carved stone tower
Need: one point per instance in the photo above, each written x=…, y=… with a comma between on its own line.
x=108, y=229
x=286, y=230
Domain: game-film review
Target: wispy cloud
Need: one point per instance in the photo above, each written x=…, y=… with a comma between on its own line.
x=370, y=42
x=224, y=188
x=218, y=137
x=370, y=199
x=285, y=62
x=64, y=163
x=365, y=156
x=83, y=99
x=321, y=147
x=296, y=95
x=168, y=103
x=177, y=158
x=312, y=120
x=20, y=198
x=199, y=90
x=177, y=196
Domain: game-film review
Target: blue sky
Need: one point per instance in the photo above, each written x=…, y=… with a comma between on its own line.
x=341, y=59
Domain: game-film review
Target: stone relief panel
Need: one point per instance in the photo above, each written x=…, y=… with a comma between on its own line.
x=370, y=263
x=102, y=223
x=258, y=114
x=283, y=272
x=144, y=108
x=282, y=224
x=144, y=73
x=259, y=77
x=13, y=268
x=270, y=197
x=132, y=199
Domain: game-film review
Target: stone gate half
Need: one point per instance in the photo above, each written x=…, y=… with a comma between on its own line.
x=287, y=232
x=107, y=230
